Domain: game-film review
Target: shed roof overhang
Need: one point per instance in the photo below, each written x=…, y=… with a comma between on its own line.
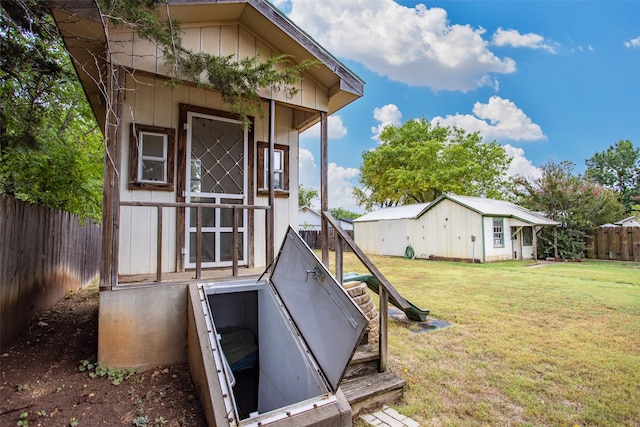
x=83, y=31
x=497, y=208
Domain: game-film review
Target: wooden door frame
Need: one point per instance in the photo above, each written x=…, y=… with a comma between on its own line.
x=184, y=110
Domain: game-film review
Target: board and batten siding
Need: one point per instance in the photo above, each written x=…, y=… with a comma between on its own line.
x=366, y=236
x=394, y=236
x=286, y=208
x=151, y=102
x=382, y=237
x=133, y=52
x=445, y=230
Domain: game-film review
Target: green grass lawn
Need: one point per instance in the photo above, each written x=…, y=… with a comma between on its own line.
x=554, y=345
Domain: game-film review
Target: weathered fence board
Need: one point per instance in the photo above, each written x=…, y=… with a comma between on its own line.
x=314, y=240
x=44, y=253
x=615, y=243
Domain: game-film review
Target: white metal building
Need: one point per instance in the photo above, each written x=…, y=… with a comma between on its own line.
x=632, y=221
x=310, y=219
x=452, y=227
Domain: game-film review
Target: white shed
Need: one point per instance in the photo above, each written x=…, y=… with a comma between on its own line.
x=453, y=227
x=387, y=231
x=310, y=219
x=632, y=221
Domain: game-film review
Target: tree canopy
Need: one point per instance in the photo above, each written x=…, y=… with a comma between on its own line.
x=341, y=213
x=50, y=145
x=306, y=195
x=51, y=150
x=618, y=168
x=418, y=161
x=578, y=204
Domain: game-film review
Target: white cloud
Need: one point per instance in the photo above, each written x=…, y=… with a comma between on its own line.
x=335, y=126
x=633, y=42
x=309, y=173
x=499, y=119
x=341, y=181
x=387, y=115
x=520, y=165
x=414, y=45
x=515, y=39
x=588, y=48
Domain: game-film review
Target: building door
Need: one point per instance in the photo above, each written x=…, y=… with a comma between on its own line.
x=216, y=173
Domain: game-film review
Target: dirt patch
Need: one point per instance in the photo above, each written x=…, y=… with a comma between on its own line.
x=40, y=379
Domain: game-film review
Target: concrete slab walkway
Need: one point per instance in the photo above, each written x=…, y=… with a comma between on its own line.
x=388, y=417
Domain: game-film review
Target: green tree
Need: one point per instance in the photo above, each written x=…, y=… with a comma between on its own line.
x=618, y=168
x=306, y=196
x=50, y=149
x=50, y=146
x=578, y=204
x=416, y=162
x=341, y=213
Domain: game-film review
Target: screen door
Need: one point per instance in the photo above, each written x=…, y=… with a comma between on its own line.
x=216, y=174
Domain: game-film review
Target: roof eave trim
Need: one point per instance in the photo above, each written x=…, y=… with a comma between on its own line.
x=347, y=77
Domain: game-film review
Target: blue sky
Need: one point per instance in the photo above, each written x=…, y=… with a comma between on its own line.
x=549, y=80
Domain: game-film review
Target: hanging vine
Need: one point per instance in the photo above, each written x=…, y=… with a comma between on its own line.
x=238, y=80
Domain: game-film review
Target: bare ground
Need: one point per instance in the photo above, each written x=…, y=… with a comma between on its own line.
x=41, y=383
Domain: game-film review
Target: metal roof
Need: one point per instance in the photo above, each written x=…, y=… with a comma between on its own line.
x=499, y=208
x=396, y=212
x=630, y=221
x=485, y=207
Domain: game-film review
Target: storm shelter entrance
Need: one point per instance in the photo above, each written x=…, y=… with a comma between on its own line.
x=216, y=173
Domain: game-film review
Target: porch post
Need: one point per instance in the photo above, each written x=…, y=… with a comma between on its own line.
x=324, y=200
x=111, y=183
x=271, y=224
x=535, y=244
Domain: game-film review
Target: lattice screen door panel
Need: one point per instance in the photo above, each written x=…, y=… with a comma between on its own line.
x=217, y=174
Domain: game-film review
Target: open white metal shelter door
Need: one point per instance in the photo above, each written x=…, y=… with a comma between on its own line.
x=216, y=173
x=330, y=322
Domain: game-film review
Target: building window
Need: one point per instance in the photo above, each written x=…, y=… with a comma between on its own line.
x=498, y=233
x=151, y=158
x=152, y=163
x=280, y=169
x=527, y=236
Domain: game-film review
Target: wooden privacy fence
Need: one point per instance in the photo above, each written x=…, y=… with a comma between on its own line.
x=314, y=239
x=44, y=253
x=615, y=243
